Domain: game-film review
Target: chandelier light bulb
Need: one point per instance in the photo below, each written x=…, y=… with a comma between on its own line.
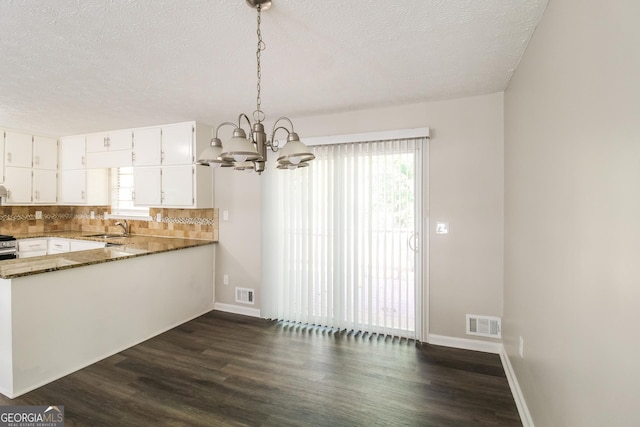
x=240, y=158
x=295, y=160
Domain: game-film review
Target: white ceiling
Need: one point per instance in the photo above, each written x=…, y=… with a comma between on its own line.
x=78, y=66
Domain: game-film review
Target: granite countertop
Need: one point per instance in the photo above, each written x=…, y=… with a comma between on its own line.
x=121, y=248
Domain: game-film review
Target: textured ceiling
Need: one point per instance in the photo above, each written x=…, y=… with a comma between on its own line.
x=77, y=66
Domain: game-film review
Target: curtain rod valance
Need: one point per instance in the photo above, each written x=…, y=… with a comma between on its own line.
x=369, y=136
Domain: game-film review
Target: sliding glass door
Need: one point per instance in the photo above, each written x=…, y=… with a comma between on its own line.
x=340, y=238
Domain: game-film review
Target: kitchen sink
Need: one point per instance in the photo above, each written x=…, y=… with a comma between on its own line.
x=106, y=236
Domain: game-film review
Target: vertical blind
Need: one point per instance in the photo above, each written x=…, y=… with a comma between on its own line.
x=339, y=238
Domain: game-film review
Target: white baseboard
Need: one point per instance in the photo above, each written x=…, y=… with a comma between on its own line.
x=236, y=309
x=521, y=404
x=465, y=343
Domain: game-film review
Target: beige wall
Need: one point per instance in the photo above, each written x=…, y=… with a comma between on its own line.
x=466, y=189
x=238, y=253
x=572, y=215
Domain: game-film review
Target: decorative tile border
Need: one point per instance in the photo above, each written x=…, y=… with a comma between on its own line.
x=32, y=217
x=181, y=220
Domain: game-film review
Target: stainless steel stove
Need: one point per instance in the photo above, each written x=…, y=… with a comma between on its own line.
x=7, y=247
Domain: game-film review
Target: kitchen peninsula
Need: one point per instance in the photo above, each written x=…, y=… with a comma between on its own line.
x=60, y=313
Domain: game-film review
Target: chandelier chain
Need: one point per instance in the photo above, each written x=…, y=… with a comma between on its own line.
x=258, y=115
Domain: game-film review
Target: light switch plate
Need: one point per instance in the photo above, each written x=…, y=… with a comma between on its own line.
x=225, y=215
x=38, y=214
x=158, y=217
x=92, y=215
x=442, y=228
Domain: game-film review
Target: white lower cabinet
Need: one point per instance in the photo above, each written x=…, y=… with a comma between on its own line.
x=50, y=246
x=57, y=246
x=28, y=248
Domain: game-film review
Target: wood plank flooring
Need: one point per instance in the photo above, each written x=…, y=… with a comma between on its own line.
x=228, y=370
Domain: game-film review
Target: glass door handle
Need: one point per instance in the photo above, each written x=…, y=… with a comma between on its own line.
x=412, y=242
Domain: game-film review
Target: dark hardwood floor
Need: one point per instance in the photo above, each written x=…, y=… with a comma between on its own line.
x=223, y=369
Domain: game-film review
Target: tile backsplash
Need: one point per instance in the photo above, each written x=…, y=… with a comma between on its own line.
x=187, y=223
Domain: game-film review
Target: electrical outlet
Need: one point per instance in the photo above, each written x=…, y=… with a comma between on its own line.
x=521, y=350
x=158, y=217
x=225, y=279
x=92, y=215
x=38, y=214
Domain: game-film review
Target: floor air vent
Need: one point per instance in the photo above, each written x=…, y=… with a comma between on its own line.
x=244, y=295
x=484, y=326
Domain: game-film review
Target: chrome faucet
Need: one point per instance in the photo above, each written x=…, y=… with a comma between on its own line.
x=124, y=226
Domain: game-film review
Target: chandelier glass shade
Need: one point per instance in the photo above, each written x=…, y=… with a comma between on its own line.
x=250, y=153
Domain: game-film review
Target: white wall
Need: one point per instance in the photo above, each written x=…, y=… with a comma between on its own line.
x=466, y=189
x=572, y=215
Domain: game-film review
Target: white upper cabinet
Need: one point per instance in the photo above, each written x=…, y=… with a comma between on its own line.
x=109, y=141
x=45, y=186
x=177, y=186
x=18, y=149
x=96, y=142
x=147, y=146
x=72, y=152
x=177, y=144
x=109, y=149
x=82, y=187
x=166, y=186
x=73, y=187
x=147, y=184
x=18, y=184
x=30, y=169
x=45, y=153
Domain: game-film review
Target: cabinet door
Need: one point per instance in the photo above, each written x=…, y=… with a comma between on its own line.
x=45, y=153
x=73, y=186
x=177, y=143
x=147, y=147
x=18, y=183
x=57, y=246
x=72, y=152
x=97, y=142
x=18, y=149
x=120, y=140
x=147, y=186
x=45, y=186
x=177, y=185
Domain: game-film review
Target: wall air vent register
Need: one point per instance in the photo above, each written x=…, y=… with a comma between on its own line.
x=484, y=326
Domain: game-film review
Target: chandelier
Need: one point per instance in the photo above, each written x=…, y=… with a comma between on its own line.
x=250, y=153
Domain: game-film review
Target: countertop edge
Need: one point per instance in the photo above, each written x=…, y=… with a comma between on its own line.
x=125, y=248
